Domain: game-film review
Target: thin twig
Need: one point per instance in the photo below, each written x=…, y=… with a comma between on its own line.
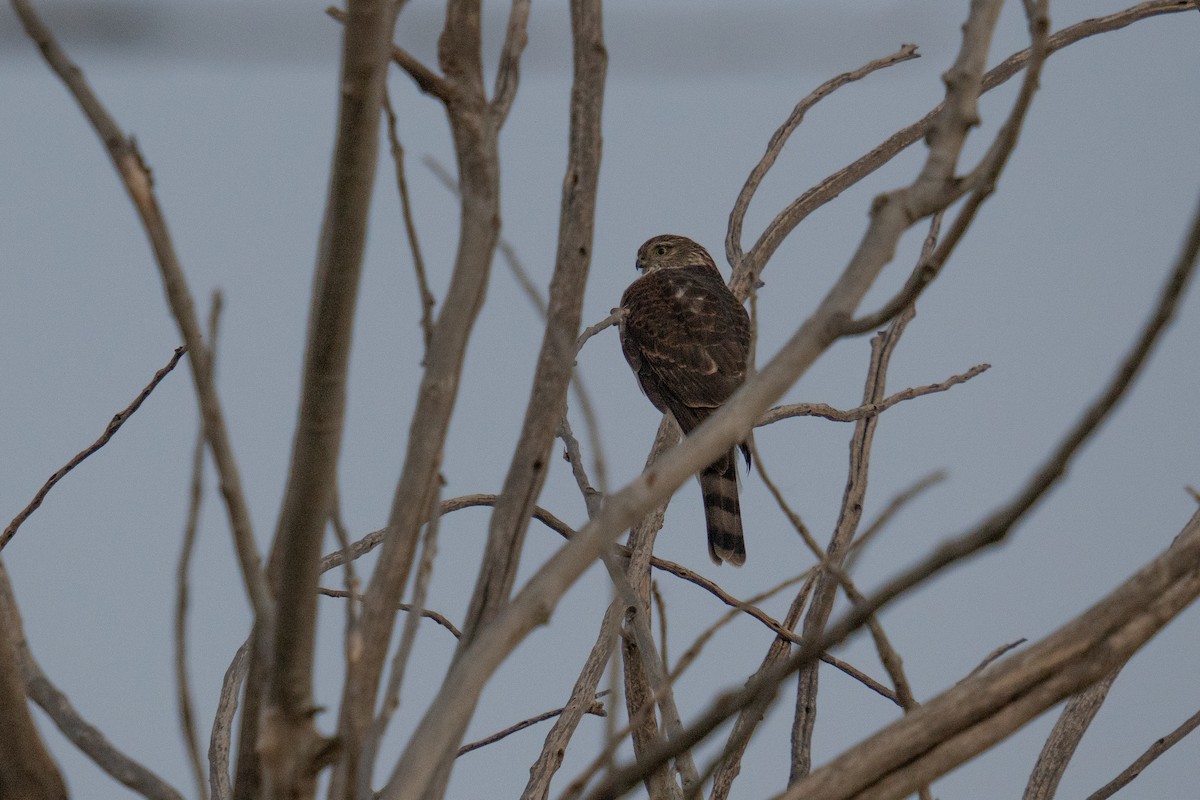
x=590, y=331
x=867, y=409
x=408, y=638
x=838, y=182
x=110, y=430
x=373, y=539
x=893, y=507
x=1159, y=747
x=428, y=81
x=596, y=709
x=729, y=616
x=591, y=496
x=994, y=655
x=410, y=227
x=350, y=634
x=440, y=619
x=733, y=238
x=187, y=717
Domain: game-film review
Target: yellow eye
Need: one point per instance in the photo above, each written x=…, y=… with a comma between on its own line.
x=661, y=250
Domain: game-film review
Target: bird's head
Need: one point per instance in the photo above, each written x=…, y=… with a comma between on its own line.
x=669, y=251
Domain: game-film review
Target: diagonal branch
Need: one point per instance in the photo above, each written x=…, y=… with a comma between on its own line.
x=110, y=430
x=136, y=177
x=1146, y=759
x=733, y=237
x=786, y=220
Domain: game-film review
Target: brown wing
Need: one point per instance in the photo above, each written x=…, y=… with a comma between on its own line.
x=686, y=337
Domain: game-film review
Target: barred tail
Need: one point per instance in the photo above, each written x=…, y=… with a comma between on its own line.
x=722, y=513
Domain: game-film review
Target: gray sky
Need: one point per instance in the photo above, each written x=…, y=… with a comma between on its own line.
x=233, y=105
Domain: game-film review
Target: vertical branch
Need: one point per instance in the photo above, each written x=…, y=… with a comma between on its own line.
x=474, y=129
x=556, y=361
x=582, y=696
x=187, y=718
x=219, y=742
x=639, y=697
x=410, y=227
x=827, y=582
x=408, y=637
x=288, y=742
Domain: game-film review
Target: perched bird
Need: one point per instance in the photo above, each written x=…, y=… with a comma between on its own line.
x=687, y=338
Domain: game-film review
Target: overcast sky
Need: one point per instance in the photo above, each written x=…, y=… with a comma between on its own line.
x=233, y=105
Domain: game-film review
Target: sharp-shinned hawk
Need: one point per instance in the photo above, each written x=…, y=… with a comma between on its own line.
x=687, y=338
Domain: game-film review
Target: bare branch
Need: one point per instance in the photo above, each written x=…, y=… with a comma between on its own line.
x=288, y=742
x=1145, y=759
x=550, y=759
x=187, y=717
x=110, y=430
x=91, y=742
x=832, y=186
x=410, y=228
x=733, y=238
x=596, y=708
x=830, y=574
x=136, y=177
x=220, y=741
x=867, y=409
x=477, y=150
x=509, y=69
x=1060, y=745
x=556, y=360
x=26, y=767
x=440, y=619
x=426, y=79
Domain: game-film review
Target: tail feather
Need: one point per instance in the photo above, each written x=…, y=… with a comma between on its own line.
x=722, y=512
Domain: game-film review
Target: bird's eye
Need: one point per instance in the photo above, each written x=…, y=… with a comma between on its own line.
x=661, y=250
